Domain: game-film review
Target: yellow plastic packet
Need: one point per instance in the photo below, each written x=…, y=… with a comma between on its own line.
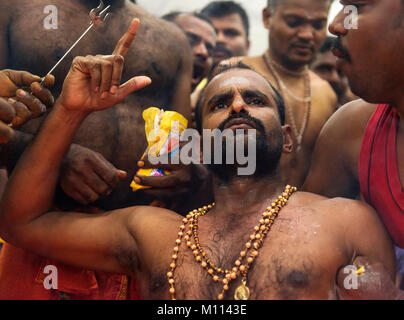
x=163, y=132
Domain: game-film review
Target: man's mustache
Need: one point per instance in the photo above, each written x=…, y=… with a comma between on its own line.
x=337, y=44
x=222, y=48
x=259, y=125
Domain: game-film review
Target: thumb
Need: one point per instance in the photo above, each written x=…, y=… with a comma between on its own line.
x=133, y=85
x=121, y=174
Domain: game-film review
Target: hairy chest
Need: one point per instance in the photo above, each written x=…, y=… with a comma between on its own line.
x=294, y=263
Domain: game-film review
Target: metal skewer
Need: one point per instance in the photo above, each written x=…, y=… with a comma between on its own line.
x=95, y=19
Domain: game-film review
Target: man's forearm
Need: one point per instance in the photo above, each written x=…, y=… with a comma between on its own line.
x=37, y=172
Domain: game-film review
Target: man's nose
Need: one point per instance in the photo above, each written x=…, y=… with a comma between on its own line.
x=238, y=105
x=337, y=25
x=201, y=50
x=220, y=38
x=306, y=33
x=334, y=76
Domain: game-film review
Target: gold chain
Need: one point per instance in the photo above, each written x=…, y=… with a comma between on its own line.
x=307, y=100
x=245, y=260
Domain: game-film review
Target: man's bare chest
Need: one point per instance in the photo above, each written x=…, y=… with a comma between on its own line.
x=292, y=264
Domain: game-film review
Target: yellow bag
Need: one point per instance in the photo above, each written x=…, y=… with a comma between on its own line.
x=163, y=131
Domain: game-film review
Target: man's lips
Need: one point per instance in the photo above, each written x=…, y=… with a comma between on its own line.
x=339, y=53
x=221, y=54
x=303, y=47
x=240, y=124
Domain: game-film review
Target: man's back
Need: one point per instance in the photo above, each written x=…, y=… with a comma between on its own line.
x=118, y=133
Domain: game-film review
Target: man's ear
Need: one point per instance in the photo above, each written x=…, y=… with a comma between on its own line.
x=266, y=17
x=287, y=139
x=248, y=47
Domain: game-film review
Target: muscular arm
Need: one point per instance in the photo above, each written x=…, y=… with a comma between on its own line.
x=333, y=171
x=89, y=241
x=73, y=238
x=368, y=240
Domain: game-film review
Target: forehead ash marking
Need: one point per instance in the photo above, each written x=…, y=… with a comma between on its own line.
x=236, y=81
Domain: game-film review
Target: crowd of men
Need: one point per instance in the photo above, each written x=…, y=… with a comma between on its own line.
x=326, y=195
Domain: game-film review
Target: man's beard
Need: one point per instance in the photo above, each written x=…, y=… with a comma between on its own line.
x=268, y=152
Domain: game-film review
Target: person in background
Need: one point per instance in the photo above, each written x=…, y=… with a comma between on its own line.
x=325, y=65
x=232, y=27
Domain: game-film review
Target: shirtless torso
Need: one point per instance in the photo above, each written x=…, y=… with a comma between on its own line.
x=296, y=164
x=117, y=133
x=300, y=258
x=310, y=240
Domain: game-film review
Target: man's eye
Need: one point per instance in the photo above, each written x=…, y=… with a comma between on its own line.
x=293, y=23
x=256, y=102
x=319, y=25
x=219, y=106
x=231, y=33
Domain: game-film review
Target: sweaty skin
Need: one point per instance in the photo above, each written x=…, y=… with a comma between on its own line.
x=297, y=29
x=116, y=134
x=308, y=243
x=297, y=163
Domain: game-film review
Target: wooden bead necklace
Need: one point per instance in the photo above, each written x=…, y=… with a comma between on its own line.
x=245, y=260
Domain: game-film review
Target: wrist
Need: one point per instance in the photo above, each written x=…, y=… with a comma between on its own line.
x=69, y=115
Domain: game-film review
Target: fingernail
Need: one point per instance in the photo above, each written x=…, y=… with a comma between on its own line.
x=113, y=90
x=137, y=180
x=140, y=164
x=36, y=86
x=104, y=95
x=97, y=89
x=21, y=93
x=11, y=100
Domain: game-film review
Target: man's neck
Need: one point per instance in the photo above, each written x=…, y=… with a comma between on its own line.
x=241, y=195
x=285, y=69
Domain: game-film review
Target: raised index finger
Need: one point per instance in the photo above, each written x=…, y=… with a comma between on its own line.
x=125, y=42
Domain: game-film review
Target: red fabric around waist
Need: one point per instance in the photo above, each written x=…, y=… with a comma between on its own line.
x=378, y=171
x=22, y=275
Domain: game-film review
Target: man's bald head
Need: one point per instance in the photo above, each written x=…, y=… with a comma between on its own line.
x=273, y=4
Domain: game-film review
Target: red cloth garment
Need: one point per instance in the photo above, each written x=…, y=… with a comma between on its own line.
x=378, y=171
x=22, y=275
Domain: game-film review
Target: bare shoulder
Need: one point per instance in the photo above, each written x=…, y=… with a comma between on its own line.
x=324, y=91
x=161, y=30
x=340, y=211
x=348, y=123
x=256, y=63
x=151, y=216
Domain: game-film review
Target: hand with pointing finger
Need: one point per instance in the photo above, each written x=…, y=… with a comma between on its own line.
x=94, y=82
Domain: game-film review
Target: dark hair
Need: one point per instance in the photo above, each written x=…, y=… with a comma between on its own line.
x=272, y=4
x=218, y=9
x=222, y=68
x=328, y=44
x=171, y=16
